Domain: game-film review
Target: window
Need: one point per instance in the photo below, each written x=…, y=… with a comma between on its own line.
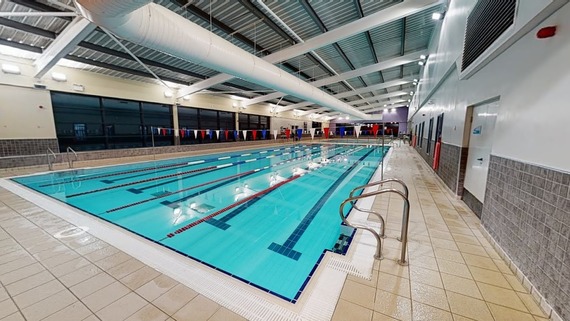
x=430, y=133
x=156, y=115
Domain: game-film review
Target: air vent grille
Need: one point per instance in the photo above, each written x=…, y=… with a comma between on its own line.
x=487, y=22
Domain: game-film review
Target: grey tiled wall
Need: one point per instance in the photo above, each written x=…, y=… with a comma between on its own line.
x=428, y=157
x=472, y=202
x=19, y=147
x=449, y=165
x=527, y=211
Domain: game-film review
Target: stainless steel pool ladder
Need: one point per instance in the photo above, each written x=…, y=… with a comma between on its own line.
x=49, y=154
x=405, y=219
x=69, y=160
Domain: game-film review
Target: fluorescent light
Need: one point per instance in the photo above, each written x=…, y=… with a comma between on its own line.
x=423, y=57
x=58, y=76
x=415, y=80
x=411, y=92
x=437, y=16
x=11, y=69
x=393, y=110
x=187, y=97
x=168, y=94
x=421, y=63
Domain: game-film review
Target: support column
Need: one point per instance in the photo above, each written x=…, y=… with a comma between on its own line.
x=175, y=124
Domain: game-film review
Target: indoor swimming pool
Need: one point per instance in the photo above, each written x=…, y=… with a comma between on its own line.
x=263, y=216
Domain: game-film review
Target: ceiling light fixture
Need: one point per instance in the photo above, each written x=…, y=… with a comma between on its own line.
x=58, y=76
x=437, y=15
x=421, y=63
x=423, y=57
x=168, y=94
x=11, y=69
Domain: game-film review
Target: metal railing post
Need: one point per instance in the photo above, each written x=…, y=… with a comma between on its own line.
x=50, y=164
x=69, y=160
x=405, y=220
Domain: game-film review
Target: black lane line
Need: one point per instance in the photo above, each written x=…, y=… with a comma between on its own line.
x=182, y=164
x=198, y=170
x=169, y=203
x=222, y=222
x=213, y=159
x=287, y=247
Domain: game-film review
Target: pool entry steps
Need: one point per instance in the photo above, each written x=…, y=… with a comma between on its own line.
x=380, y=235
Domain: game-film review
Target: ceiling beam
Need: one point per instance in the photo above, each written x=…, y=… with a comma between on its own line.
x=369, y=38
x=411, y=57
x=38, y=6
x=379, y=97
x=64, y=44
x=382, y=17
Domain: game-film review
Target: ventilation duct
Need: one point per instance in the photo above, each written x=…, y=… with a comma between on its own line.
x=153, y=26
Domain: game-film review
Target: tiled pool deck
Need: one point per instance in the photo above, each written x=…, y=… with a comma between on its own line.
x=453, y=274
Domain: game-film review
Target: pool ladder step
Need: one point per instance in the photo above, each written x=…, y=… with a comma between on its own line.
x=352, y=199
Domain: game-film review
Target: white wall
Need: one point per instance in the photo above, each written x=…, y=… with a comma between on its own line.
x=22, y=121
x=21, y=116
x=532, y=78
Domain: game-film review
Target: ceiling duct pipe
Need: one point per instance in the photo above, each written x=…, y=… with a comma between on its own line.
x=153, y=26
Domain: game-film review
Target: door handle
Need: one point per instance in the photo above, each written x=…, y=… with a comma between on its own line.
x=480, y=159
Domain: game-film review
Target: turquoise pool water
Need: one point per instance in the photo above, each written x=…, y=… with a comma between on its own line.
x=263, y=216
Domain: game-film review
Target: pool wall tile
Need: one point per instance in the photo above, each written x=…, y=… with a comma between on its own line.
x=527, y=212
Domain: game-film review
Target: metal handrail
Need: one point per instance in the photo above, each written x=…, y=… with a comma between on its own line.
x=50, y=164
x=69, y=160
x=388, y=180
x=405, y=222
x=382, y=223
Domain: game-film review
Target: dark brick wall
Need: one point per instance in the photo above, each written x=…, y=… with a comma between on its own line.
x=20, y=147
x=472, y=202
x=527, y=211
x=428, y=157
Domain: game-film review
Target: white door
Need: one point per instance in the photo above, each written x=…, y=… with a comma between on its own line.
x=480, y=143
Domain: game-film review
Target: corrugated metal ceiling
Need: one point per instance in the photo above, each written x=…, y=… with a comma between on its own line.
x=245, y=24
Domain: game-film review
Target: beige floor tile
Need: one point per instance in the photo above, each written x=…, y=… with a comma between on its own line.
x=461, y=285
x=472, y=249
x=358, y=294
x=425, y=276
x=174, y=299
x=60, y=259
x=7, y=307
x=156, y=287
x=457, y=269
x=101, y=253
x=7, y=257
x=69, y=267
x=75, y=311
x=466, y=239
x=349, y=311
x=138, y=278
x=392, y=305
x=122, y=308
x=92, y=285
x=372, y=282
x=3, y=294
x=503, y=267
x=422, y=312
x=105, y=296
x=457, y=317
x=444, y=244
x=91, y=247
x=14, y=317
x=37, y=294
x=16, y=264
x=126, y=268
x=49, y=306
x=454, y=256
x=20, y=274
x=148, y=313
x=479, y=261
x=377, y=316
x=392, y=267
x=429, y=295
x=80, y=275
x=441, y=235
x=113, y=260
x=531, y=305
x=501, y=296
x=540, y=319
x=469, y=307
x=490, y=277
x=394, y=284
x=29, y=283
x=199, y=309
x=506, y=314
x=515, y=283
x=426, y=262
